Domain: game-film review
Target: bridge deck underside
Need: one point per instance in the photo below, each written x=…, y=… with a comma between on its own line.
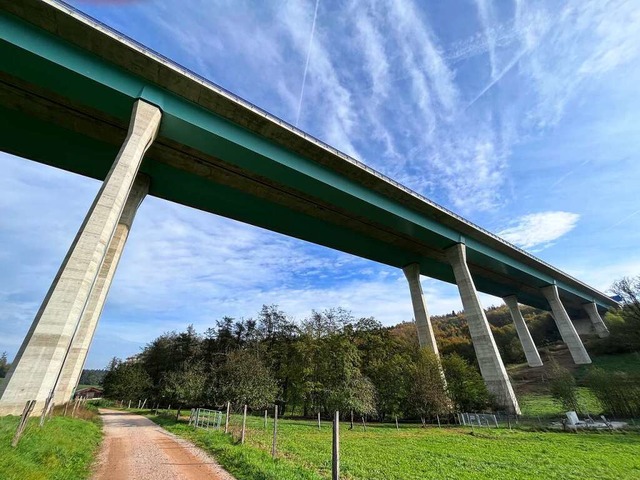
x=58, y=114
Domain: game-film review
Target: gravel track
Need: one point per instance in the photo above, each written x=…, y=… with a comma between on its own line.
x=135, y=448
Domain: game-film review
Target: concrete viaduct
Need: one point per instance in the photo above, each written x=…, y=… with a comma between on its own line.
x=76, y=95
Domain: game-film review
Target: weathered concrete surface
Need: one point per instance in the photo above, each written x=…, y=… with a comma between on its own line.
x=135, y=448
x=596, y=320
x=77, y=355
x=35, y=370
x=491, y=366
x=565, y=326
x=529, y=347
x=426, y=338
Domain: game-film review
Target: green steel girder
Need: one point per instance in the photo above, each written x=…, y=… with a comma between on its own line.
x=86, y=82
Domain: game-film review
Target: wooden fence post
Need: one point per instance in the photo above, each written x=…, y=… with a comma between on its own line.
x=45, y=410
x=265, y=418
x=24, y=419
x=335, y=453
x=397, y=427
x=244, y=424
x=226, y=419
x=275, y=432
x=318, y=420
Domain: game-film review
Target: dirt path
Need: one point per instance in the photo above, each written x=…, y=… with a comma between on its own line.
x=135, y=448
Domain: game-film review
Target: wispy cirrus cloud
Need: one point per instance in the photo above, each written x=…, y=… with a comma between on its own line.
x=539, y=230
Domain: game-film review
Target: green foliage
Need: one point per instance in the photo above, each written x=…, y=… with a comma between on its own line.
x=330, y=360
x=185, y=386
x=563, y=388
x=126, y=381
x=4, y=365
x=304, y=452
x=465, y=385
x=623, y=324
x=428, y=395
x=618, y=392
x=62, y=450
x=92, y=377
x=246, y=381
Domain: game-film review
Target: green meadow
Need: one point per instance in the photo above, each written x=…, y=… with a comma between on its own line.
x=382, y=452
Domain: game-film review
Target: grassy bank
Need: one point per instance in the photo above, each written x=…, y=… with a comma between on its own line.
x=62, y=450
x=414, y=453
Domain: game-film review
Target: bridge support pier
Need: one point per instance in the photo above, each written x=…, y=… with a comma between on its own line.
x=36, y=369
x=596, y=320
x=529, y=347
x=426, y=338
x=565, y=326
x=491, y=366
x=77, y=354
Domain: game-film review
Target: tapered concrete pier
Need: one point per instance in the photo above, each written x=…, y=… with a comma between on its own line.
x=77, y=355
x=596, y=320
x=529, y=347
x=491, y=366
x=426, y=337
x=37, y=367
x=565, y=326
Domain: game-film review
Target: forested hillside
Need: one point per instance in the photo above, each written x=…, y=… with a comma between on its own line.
x=332, y=360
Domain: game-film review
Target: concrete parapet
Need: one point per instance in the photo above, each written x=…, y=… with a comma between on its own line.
x=491, y=366
x=565, y=326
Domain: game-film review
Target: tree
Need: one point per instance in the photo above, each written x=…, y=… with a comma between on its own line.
x=428, y=395
x=563, y=387
x=126, y=380
x=4, y=365
x=245, y=380
x=92, y=377
x=618, y=392
x=185, y=386
x=628, y=289
x=465, y=385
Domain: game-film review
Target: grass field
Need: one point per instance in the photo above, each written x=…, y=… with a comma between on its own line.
x=628, y=362
x=544, y=405
x=62, y=450
x=414, y=453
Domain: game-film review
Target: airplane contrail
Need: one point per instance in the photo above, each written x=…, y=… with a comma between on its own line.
x=306, y=66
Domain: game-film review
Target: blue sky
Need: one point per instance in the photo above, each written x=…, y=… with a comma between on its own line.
x=522, y=116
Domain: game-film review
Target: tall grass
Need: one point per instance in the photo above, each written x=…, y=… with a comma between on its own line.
x=61, y=450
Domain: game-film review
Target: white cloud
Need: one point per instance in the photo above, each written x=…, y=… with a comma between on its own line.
x=539, y=229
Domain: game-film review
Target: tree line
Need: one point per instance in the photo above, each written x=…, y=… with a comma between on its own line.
x=328, y=361
x=333, y=361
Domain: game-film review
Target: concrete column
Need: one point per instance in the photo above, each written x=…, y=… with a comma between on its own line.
x=77, y=355
x=596, y=320
x=530, y=350
x=426, y=338
x=38, y=364
x=491, y=366
x=565, y=326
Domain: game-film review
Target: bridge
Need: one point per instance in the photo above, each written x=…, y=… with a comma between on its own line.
x=79, y=96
